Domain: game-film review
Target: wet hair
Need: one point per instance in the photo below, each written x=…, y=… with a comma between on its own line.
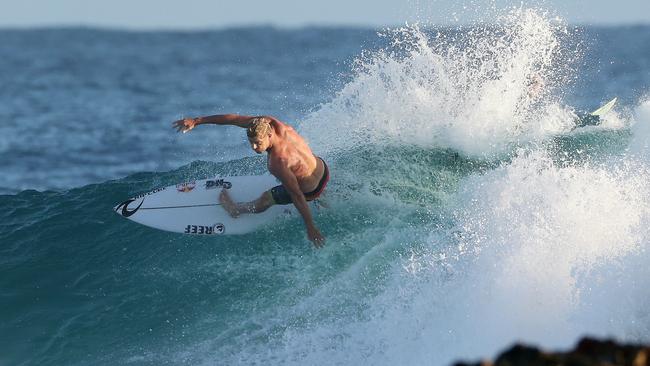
x=260, y=126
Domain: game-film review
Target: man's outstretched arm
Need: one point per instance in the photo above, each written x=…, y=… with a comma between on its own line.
x=186, y=124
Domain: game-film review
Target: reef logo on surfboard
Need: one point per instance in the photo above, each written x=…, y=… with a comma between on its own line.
x=205, y=230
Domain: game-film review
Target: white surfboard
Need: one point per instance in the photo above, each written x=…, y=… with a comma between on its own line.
x=605, y=108
x=193, y=207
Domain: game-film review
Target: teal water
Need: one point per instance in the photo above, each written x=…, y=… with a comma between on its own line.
x=167, y=283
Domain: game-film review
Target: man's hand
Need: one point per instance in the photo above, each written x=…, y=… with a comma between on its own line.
x=315, y=237
x=185, y=124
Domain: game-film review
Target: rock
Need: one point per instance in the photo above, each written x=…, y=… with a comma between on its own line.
x=588, y=352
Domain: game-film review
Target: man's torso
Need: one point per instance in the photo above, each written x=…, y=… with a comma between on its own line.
x=292, y=150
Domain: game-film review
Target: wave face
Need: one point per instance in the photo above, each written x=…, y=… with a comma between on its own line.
x=466, y=210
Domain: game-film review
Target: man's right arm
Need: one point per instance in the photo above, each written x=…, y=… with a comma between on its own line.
x=186, y=124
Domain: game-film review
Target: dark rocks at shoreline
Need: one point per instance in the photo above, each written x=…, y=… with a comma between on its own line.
x=588, y=352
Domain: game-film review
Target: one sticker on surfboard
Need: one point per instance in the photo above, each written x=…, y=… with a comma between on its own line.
x=217, y=229
x=217, y=183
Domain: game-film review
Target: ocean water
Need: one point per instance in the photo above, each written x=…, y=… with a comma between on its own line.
x=466, y=212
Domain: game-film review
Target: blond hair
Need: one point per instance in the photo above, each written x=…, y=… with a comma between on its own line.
x=260, y=126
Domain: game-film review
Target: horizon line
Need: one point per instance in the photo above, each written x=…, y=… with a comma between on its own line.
x=253, y=25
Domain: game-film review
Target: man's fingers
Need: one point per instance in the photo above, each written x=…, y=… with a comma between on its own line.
x=180, y=126
x=319, y=243
x=183, y=125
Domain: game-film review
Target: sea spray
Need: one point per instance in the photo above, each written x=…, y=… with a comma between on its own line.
x=640, y=143
x=478, y=90
x=505, y=253
x=533, y=249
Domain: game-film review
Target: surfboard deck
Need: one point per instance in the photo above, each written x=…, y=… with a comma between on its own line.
x=193, y=207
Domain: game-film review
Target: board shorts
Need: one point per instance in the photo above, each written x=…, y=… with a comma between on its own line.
x=282, y=197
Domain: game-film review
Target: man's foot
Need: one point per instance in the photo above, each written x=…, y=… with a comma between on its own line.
x=228, y=204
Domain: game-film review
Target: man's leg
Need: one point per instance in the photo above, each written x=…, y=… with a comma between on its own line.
x=235, y=209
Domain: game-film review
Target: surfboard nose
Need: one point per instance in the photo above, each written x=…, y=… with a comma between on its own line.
x=123, y=208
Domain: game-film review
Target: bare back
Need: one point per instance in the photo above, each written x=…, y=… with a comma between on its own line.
x=291, y=149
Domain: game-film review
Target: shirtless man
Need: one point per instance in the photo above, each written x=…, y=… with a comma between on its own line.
x=302, y=174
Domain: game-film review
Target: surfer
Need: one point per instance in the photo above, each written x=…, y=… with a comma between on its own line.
x=536, y=88
x=303, y=175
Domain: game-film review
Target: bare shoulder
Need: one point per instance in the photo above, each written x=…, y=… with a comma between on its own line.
x=277, y=124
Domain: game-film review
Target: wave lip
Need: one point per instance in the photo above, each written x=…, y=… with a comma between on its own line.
x=478, y=91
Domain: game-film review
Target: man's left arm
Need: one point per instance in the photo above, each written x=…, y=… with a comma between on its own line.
x=290, y=182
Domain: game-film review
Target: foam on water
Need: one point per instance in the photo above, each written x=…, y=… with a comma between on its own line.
x=640, y=143
x=539, y=251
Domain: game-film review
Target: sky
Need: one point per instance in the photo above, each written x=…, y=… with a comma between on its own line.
x=216, y=14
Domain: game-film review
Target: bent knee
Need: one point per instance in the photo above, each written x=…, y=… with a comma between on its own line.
x=264, y=202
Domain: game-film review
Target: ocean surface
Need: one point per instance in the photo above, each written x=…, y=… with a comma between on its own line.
x=468, y=205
